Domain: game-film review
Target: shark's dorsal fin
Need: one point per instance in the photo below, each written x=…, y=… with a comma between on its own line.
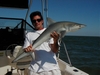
x=50, y=21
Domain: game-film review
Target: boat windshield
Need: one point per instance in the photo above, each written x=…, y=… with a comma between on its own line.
x=14, y=23
x=8, y=22
x=12, y=31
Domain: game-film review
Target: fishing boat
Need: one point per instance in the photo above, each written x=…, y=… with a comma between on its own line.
x=12, y=31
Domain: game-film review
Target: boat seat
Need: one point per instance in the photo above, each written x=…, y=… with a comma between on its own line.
x=22, y=64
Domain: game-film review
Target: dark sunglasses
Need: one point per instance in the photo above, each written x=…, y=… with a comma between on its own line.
x=34, y=21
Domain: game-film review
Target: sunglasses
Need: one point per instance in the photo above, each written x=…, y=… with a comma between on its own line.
x=34, y=21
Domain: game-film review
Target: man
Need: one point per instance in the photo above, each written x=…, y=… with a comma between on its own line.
x=45, y=62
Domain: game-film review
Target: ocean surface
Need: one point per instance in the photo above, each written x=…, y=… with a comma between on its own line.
x=84, y=53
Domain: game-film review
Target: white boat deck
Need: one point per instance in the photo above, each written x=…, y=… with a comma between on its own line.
x=20, y=68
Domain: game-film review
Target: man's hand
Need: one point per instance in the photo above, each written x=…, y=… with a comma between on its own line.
x=55, y=46
x=55, y=35
x=28, y=49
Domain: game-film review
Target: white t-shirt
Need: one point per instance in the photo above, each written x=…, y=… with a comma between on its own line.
x=45, y=59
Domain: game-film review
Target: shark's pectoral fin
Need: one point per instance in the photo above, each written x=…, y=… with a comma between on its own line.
x=62, y=33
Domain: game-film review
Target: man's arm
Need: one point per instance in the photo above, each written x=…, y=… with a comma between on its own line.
x=55, y=46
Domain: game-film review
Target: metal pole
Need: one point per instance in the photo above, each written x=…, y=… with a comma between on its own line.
x=46, y=11
x=42, y=3
x=28, y=9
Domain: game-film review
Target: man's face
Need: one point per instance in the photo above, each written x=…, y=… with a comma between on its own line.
x=37, y=22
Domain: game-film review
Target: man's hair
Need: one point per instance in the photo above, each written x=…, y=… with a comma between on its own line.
x=34, y=14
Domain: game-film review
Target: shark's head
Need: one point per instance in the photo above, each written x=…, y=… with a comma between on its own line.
x=64, y=27
x=76, y=27
x=71, y=26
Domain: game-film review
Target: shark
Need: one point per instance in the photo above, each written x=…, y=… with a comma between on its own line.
x=61, y=27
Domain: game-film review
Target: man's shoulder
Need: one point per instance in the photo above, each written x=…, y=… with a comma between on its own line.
x=30, y=32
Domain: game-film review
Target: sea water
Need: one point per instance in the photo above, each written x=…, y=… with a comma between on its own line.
x=84, y=53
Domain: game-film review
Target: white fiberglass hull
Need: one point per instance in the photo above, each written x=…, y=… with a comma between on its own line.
x=66, y=69
x=6, y=66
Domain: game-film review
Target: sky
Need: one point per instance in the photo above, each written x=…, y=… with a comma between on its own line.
x=81, y=11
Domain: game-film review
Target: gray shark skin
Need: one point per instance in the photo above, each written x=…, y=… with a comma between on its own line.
x=61, y=27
